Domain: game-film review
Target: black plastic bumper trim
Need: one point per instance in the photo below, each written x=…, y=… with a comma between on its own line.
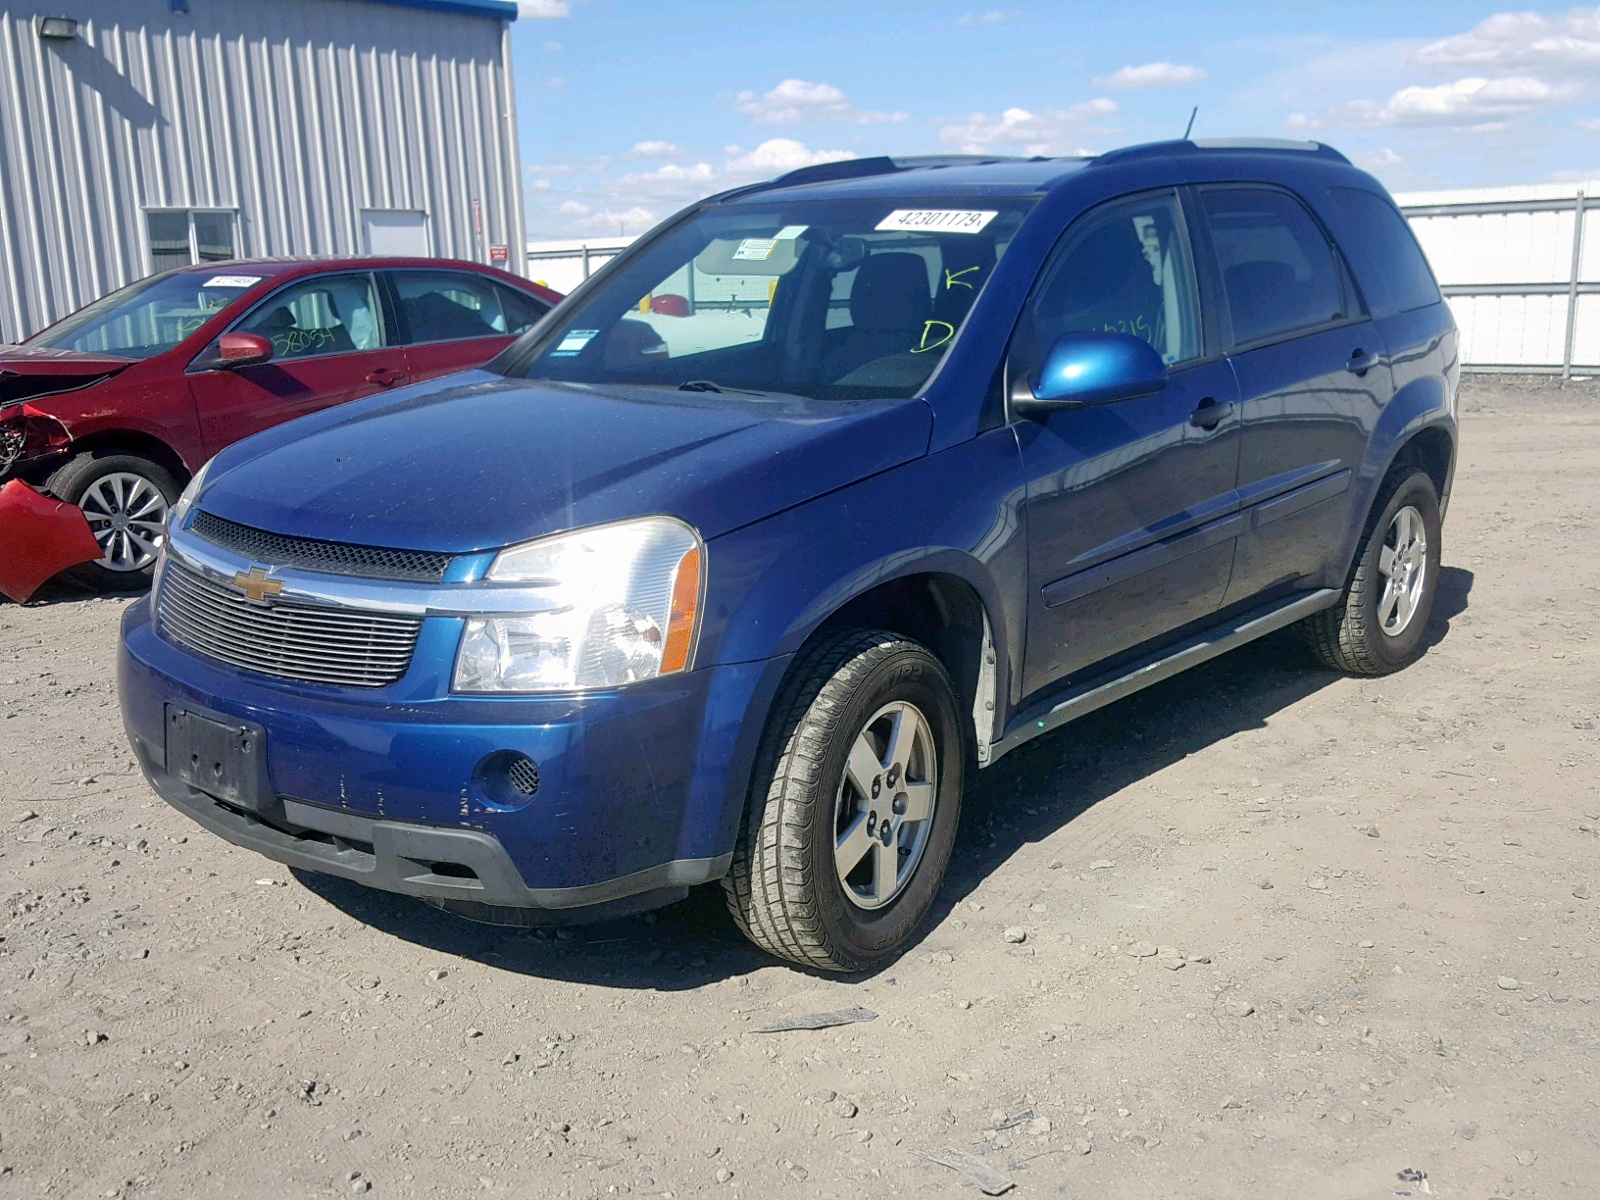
x=399, y=857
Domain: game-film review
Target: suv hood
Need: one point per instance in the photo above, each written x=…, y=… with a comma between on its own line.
x=484, y=461
x=27, y=371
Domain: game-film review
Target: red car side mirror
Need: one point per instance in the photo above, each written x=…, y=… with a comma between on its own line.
x=242, y=350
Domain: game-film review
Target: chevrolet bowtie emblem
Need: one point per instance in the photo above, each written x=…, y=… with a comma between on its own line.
x=256, y=586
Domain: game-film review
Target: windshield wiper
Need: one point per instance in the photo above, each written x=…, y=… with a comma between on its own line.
x=705, y=385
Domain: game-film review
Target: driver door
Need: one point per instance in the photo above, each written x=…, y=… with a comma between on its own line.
x=1131, y=507
x=329, y=345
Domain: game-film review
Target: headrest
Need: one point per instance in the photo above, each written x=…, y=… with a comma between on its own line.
x=890, y=293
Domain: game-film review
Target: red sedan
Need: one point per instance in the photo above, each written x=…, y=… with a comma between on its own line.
x=113, y=408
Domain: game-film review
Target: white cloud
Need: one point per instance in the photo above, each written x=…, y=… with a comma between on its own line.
x=1522, y=40
x=995, y=16
x=553, y=47
x=777, y=155
x=1474, y=103
x=1592, y=126
x=557, y=81
x=625, y=220
x=654, y=149
x=539, y=185
x=1153, y=75
x=674, y=173
x=1047, y=132
x=572, y=208
x=1382, y=158
x=543, y=10
x=797, y=100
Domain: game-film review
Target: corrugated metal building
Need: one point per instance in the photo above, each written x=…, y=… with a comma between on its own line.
x=137, y=135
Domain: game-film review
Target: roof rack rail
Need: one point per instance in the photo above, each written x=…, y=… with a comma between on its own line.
x=861, y=168
x=1182, y=146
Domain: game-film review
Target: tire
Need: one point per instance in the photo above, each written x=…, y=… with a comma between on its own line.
x=861, y=691
x=101, y=483
x=1379, y=622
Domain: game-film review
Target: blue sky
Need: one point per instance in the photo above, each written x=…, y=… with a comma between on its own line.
x=629, y=109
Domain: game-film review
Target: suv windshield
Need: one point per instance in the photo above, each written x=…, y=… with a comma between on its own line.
x=147, y=318
x=833, y=299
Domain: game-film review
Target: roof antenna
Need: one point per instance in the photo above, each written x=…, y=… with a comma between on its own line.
x=1190, y=125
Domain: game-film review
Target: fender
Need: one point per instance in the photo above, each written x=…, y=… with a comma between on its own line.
x=1423, y=403
x=771, y=585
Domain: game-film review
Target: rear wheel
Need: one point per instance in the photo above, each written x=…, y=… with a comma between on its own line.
x=125, y=499
x=856, y=802
x=1379, y=623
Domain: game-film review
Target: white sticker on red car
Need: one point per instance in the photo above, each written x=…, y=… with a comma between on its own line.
x=233, y=281
x=937, y=220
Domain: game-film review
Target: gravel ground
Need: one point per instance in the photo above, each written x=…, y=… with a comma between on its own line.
x=1259, y=931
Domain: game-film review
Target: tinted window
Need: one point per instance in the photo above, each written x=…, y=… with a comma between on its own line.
x=330, y=314
x=522, y=312
x=1278, y=271
x=1123, y=269
x=1395, y=275
x=448, y=306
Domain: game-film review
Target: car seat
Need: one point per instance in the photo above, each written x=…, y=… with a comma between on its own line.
x=889, y=306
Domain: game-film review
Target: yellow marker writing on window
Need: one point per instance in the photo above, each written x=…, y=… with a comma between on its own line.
x=952, y=279
x=931, y=341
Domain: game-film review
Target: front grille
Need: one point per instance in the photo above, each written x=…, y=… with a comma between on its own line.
x=312, y=554
x=288, y=640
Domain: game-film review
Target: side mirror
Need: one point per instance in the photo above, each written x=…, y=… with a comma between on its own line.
x=236, y=350
x=669, y=305
x=1093, y=368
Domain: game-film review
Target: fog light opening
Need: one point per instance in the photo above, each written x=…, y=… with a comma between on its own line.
x=507, y=778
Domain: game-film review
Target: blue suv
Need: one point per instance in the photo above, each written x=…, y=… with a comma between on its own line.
x=816, y=500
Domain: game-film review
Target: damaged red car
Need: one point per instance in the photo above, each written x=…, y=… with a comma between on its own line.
x=113, y=408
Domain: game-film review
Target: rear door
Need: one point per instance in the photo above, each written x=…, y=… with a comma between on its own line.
x=330, y=345
x=455, y=320
x=1131, y=512
x=1313, y=373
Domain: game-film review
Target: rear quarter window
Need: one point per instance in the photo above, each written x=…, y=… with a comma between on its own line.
x=1394, y=273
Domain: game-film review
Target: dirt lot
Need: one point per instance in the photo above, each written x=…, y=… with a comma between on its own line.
x=1375, y=906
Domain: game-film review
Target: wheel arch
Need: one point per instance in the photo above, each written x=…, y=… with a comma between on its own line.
x=136, y=442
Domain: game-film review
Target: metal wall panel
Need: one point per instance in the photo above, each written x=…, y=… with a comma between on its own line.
x=295, y=114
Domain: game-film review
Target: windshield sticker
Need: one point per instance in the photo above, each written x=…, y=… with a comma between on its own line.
x=233, y=281
x=755, y=249
x=789, y=232
x=939, y=220
x=934, y=335
x=574, y=341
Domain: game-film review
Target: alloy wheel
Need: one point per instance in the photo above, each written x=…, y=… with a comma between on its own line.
x=884, y=809
x=1403, y=565
x=126, y=514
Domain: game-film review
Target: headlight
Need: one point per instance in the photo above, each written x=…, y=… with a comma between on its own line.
x=180, y=510
x=626, y=597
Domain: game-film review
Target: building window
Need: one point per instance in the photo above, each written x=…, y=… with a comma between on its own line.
x=181, y=237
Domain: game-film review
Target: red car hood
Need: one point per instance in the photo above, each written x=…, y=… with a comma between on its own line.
x=27, y=371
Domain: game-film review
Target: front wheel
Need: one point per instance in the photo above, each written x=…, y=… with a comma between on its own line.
x=855, y=806
x=125, y=499
x=1379, y=623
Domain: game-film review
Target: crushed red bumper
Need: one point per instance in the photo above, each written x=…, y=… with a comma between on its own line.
x=40, y=537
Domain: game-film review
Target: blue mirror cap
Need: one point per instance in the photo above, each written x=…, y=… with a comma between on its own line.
x=1099, y=368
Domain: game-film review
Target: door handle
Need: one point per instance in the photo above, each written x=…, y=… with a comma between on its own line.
x=386, y=376
x=1361, y=362
x=1210, y=414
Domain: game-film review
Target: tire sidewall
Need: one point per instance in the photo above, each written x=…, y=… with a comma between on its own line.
x=867, y=937
x=1417, y=491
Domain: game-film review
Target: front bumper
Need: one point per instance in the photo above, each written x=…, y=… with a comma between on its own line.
x=640, y=791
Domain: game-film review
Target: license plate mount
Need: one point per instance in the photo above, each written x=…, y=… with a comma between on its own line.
x=225, y=759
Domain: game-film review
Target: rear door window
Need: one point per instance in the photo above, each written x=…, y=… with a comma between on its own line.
x=327, y=314
x=448, y=306
x=1279, y=273
x=1394, y=272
